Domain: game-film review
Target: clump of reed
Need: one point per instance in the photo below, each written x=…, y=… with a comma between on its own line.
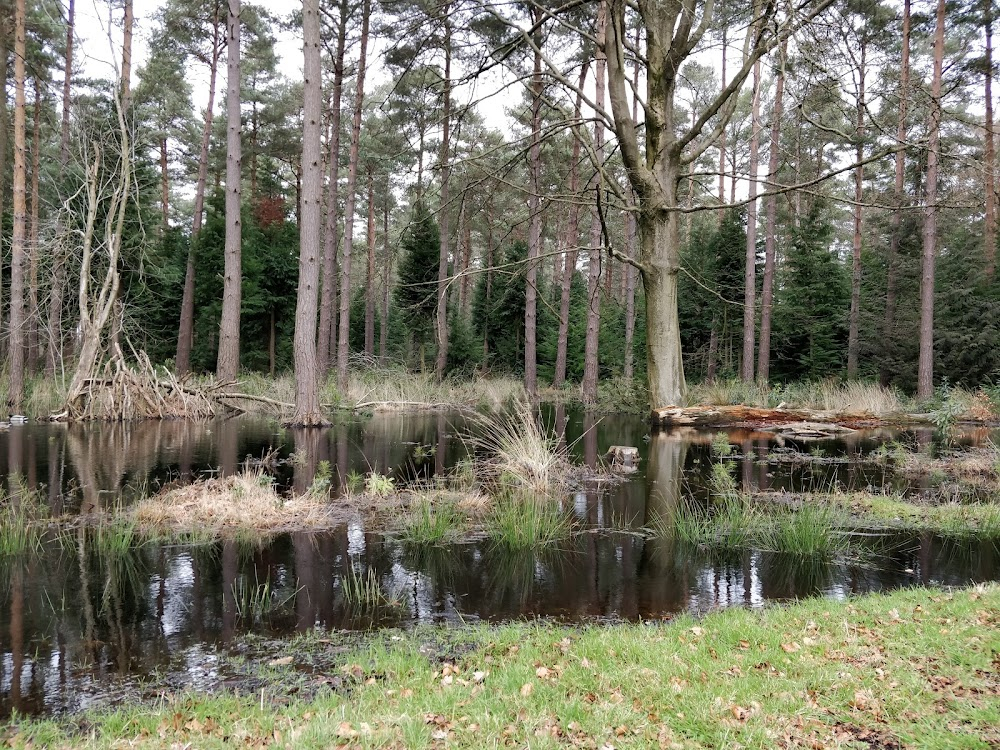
x=520, y=519
x=247, y=500
x=386, y=388
x=22, y=521
x=363, y=592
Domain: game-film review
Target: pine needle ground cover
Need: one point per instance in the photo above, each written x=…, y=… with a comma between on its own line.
x=917, y=668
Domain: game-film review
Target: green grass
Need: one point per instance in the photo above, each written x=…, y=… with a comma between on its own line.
x=363, y=592
x=433, y=523
x=22, y=519
x=915, y=668
x=813, y=531
x=522, y=520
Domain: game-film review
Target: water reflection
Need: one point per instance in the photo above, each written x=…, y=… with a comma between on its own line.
x=83, y=614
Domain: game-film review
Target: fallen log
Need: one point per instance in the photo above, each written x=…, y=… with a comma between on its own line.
x=756, y=417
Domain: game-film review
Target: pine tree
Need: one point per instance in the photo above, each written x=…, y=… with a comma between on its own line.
x=416, y=292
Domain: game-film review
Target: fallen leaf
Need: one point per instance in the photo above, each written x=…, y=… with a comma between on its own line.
x=526, y=689
x=790, y=648
x=283, y=661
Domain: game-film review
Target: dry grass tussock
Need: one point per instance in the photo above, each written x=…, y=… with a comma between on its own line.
x=387, y=389
x=517, y=449
x=247, y=500
x=856, y=397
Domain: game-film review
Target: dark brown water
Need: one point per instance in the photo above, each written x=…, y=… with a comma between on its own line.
x=76, y=622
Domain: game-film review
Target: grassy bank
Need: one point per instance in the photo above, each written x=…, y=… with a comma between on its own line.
x=916, y=668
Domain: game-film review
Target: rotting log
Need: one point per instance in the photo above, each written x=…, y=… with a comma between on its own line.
x=751, y=416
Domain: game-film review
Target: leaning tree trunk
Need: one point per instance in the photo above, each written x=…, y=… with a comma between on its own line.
x=344, y=332
x=328, y=300
x=590, y=355
x=925, y=362
x=15, y=392
x=185, y=334
x=307, y=406
x=229, y=326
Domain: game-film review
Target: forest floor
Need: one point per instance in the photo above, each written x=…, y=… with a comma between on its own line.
x=917, y=668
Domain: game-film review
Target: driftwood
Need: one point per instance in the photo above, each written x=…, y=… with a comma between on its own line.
x=750, y=416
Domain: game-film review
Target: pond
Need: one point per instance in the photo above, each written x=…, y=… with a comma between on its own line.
x=78, y=623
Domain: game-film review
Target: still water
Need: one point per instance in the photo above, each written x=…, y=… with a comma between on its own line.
x=75, y=622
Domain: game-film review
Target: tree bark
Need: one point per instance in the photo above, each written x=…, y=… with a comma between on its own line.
x=771, y=226
x=750, y=272
x=328, y=304
x=370, y=275
x=535, y=216
x=344, y=331
x=4, y=48
x=722, y=135
x=307, y=405
x=126, y=82
x=185, y=333
x=15, y=393
x=925, y=362
x=990, y=221
x=445, y=166
x=572, y=238
x=34, y=311
x=590, y=355
x=632, y=240
x=383, y=330
x=228, y=364
x=854, y=323
x=896, y=221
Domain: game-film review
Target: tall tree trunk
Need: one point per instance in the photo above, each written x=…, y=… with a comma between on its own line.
x=750, y=274
x=854, y=323
x=572, y=238
x=990, y=222
x=344, y=331
x=383, y=330
x=889, y=321
x=925, y=362
x=4, y=48
x=185, y=333
x=534, y=216
x=590, y=355
x=632, y=239
x=229, y=326
x=164, y=188
x=465, y=238
x=126, y=82
x=722, y=135
x=34, y=311
x=771, y=225
x=15, y=393
x=370, y=275
x=445, y=165
x=54, y=328
x=328, y=302
x=307, y=405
